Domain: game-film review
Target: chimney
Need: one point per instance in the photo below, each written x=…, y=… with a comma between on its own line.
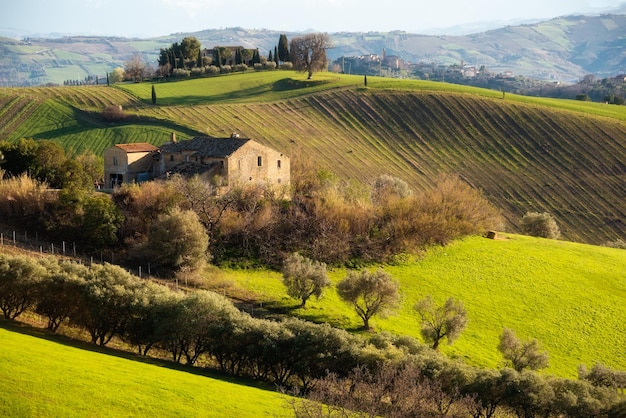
x=173, y=138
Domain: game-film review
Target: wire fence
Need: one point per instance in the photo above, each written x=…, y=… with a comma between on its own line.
x=33, y=241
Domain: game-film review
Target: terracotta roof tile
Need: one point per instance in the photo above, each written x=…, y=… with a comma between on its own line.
x=137, y=147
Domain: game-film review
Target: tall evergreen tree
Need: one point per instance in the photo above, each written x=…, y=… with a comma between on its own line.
x=270, y=56
x=283, y=48
x=238, y=56
x=256, y=57
x=199, y=60
x=217, y=57
x=154, y=96
x=276, y=55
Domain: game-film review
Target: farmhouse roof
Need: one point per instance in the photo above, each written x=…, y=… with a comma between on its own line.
x=207, y=146
x=137, y=147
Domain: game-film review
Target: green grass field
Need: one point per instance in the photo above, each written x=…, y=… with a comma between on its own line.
x=40, y=377
x=568, y=296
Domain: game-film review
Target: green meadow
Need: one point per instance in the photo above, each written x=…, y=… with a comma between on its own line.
x=568, y=296
x=41, y=377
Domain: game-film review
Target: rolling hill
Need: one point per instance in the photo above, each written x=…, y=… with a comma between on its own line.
x=526, y=154
x=562, y=49
x=53, y=377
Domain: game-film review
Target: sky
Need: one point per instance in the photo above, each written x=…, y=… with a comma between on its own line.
x=147, y=18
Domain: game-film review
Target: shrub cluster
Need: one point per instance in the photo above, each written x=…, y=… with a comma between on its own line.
x=540, y=225
x=388, y=375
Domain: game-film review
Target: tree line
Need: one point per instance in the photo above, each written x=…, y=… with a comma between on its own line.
x=375, y=375
x=305, y=53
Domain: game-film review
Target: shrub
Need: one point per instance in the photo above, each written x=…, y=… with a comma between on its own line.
x=196, y=72
x=225, y=69
x=618, y=243
x=113, y=113
x=286, y=66
x=540, y=225
x=269, y=65
x=180, y=73
x=22, y=199
x=258, y=66
x=240, y=67
x=211, y=70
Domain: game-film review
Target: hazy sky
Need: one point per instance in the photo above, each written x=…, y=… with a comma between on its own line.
x=147, y=18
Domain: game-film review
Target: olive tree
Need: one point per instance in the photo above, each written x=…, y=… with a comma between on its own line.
x=177, y=241
x=59, y=291
x=304, y=277
x=439, y=322
x=522, y=354
x=106, y=302
x=369, y=293
x=19, y=282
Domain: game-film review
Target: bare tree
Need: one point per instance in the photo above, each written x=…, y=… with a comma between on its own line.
x=308, y=52
x=369, y=293
x=438, y=322
x=135, y=68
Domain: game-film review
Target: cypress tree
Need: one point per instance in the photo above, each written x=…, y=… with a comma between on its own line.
x=107, y=78
x=238, y=56
x=283, y=48
x=154, y=96
x=276, y=55
x=199, y=61
x=270, y=57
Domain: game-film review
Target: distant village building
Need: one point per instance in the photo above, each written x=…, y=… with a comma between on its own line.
x=233, y=160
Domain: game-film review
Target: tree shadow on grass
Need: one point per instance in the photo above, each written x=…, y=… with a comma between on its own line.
x=44, y=334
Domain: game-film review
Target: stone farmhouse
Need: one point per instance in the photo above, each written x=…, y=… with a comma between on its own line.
x=233, y=160
x=128, y=163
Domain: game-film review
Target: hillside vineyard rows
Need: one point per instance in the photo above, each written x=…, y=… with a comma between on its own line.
x=524, y=156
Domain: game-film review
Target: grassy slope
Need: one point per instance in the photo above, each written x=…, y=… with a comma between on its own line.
x=39, y=377
x=569, y=296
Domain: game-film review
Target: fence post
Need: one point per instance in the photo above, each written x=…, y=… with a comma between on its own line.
x=140, y=272
x=14, y=238
x=52, y=248
x=63, y=243
x=1, y=239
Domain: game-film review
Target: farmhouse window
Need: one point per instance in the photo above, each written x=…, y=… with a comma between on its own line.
x=171, y=157
x=222, y=163
x=278, y=163
x=114, y=160
x=259, y=161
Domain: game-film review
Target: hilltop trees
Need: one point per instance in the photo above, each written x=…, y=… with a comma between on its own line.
x=438, y=322
x=369, y=293
x=180, y=55
x=308, y=52
x=304, y=277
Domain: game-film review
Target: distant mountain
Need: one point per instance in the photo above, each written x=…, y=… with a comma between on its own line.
x=562, y=49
